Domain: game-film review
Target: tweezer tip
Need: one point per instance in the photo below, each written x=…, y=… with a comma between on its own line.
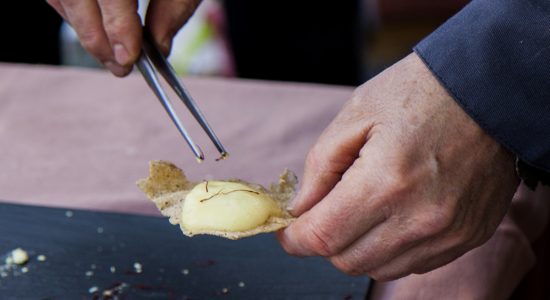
x=224, y=155
x=199, y=159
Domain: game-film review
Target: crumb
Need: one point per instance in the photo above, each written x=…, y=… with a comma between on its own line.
x=241, y=284
x=69, y=214
x=185, y=272
x=18, y=256
x=24, y=270
x=93, y=289
x=100, y=230
x=137, y=267
x=89, y=273
x=112, y=269
x=225, y=290
x=41, y=257
x=115, y=290
x=3, y=274
x=92, y=266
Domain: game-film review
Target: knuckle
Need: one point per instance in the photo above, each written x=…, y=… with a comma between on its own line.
x=116, y=26
x=315, y=160
x=437, y=221
x=346, y=266
x=473, y=236
x=358, y=95
x=402, y=241
x=355, y=108
x=356, y=98
x=425, y=227
x=313, y=157
x=468, y=234
x=458, y=240
x=288, y=248
x=395, y=185
x=319, y=242
x=92, y=41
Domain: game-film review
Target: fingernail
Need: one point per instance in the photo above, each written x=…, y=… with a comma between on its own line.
x=290, y=205
x=165, y=45
x=121, y=55
x=115, y=68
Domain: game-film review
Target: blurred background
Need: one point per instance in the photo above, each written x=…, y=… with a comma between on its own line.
x=302, y=41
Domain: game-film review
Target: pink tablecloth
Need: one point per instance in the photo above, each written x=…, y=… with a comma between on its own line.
x=80, y=139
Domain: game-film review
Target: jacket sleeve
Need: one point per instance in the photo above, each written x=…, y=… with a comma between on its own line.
x=493, y=57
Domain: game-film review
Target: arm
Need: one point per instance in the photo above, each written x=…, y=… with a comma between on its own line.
x=402, y=181
x=493, y=58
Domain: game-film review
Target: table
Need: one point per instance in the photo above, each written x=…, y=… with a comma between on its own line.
x=75, y=140
x=81, y=138
x=87, y=254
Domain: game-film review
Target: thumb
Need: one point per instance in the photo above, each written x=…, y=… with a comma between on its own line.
x=166, y=17
x=333, y=153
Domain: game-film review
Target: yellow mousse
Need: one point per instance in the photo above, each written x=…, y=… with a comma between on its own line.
x=226, y=206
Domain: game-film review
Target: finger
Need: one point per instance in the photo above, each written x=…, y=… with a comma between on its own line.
x=123, y=27
x=438, y=250
x=421, y=258
x=166, y=17
x=55, y=4
x=85, y=18
x=403, y=230
x=334, y=152
x=396, y=249
x=375, y=249
x=344, y=215
x=424, y=244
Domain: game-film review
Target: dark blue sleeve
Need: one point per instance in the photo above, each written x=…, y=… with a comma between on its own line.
x=493, y=57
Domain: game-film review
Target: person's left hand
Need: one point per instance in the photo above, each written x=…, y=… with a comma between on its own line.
x=402, y=181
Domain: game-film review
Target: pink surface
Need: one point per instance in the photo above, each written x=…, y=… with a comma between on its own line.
x=80, y=138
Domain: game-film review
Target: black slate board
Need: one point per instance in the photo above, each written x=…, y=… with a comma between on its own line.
x=94, y=241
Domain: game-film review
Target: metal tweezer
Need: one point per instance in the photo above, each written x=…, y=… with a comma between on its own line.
x=150, y=58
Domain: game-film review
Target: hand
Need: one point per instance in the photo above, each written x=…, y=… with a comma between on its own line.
x=401, y=182
x=111, y=29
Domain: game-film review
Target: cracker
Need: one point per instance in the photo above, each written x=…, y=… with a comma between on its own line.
x=167, y=187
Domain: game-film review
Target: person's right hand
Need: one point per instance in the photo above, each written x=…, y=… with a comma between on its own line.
x=111, y=29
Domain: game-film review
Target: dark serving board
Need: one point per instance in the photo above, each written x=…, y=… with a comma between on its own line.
x=80, y=250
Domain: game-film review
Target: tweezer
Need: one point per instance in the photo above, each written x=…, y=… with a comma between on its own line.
x=150, y=58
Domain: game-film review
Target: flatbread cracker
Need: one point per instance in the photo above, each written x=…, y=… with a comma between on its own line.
x=167, y=187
